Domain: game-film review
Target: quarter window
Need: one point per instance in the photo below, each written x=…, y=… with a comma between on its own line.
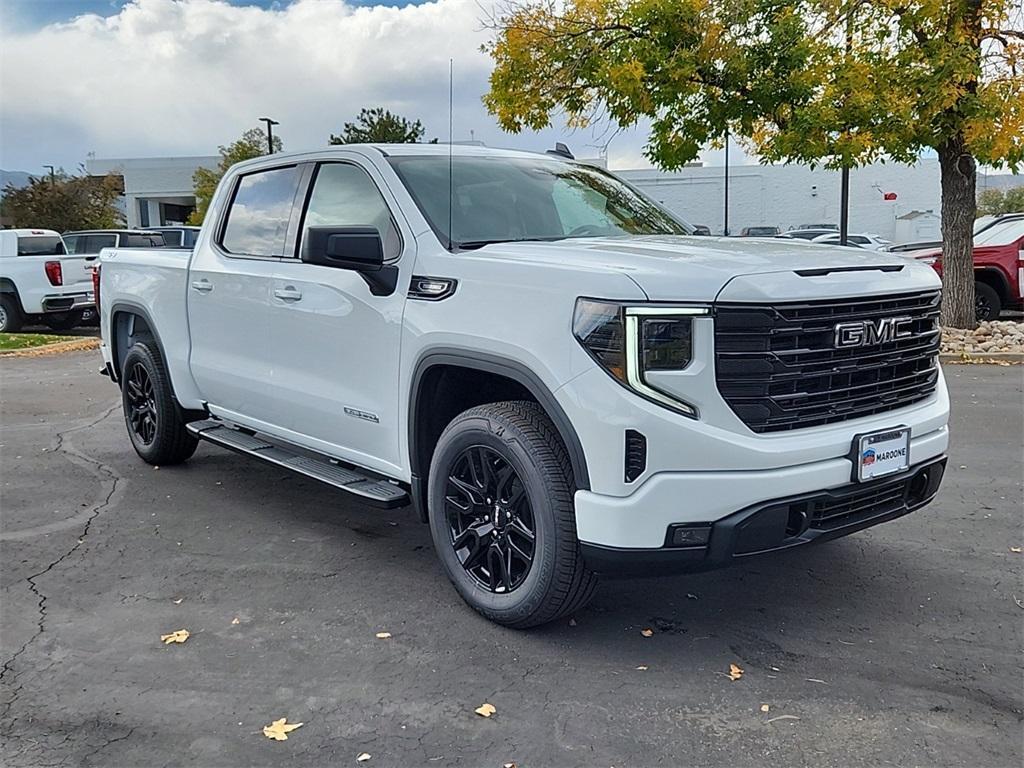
x=345, y=196
x=257, y=221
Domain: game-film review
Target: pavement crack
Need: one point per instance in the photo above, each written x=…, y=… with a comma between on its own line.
x=106, y=474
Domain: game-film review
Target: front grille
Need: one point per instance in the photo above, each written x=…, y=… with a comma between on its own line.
x=778, y=368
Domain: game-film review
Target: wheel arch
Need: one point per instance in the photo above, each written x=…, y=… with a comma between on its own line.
x=996, y=278
x=7, y=285
x=509, y=377
x=129, y=324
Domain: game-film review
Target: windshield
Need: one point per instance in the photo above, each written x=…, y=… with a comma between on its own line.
x=40, y=245
x=503, y=199
x=1003, y=233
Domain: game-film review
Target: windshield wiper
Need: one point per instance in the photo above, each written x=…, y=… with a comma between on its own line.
x=469, y=245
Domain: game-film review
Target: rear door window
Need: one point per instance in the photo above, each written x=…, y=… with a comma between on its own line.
x=95, y=243
x=142, y=240
x=257, y=221
x=40, y=245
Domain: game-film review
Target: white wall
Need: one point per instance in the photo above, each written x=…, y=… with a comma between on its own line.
x=787, y=196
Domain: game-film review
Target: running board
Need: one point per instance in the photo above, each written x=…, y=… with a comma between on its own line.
x=379, y=493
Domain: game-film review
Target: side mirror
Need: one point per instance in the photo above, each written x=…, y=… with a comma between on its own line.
x=359, y=249
x=355, y=248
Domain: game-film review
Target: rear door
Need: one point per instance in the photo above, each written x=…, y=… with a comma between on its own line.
x=82, y=256
x=335, y=345
x=229, y=295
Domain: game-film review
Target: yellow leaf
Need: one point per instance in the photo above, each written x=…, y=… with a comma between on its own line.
x=178, y=636
x=236, y=620
x=383, y=635
x=642, y=668
x=279, y=729
x=735, y=673
x=764, y=707
x=1015, y=549
x=508, y=765
x=363, y=757
x=647, y=632
x=485, y=710
x=178, y=601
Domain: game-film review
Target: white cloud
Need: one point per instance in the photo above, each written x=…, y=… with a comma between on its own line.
x=179, y=77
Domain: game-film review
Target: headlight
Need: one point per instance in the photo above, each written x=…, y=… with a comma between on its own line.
x=629, y=341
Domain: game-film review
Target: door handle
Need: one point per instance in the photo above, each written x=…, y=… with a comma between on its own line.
x=203, y=286
x=288, y=294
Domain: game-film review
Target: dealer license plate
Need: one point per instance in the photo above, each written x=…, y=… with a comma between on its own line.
x=883, y=453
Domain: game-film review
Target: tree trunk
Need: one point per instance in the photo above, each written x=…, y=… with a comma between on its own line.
x=959, y=179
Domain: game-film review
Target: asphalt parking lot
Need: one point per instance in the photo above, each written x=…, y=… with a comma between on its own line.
x=901, y=645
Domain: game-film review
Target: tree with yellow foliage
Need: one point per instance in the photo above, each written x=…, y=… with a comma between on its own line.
x=835, y=82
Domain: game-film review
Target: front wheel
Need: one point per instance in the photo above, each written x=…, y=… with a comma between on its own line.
x=155, y=421
x=11, y=318
x=987, y=304
x=500, y=504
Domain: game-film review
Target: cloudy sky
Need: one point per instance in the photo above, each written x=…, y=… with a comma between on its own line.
x=135, y=78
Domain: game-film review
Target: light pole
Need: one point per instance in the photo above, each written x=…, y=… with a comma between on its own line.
x=270, y=132
x=53, y=176
x=725, y=228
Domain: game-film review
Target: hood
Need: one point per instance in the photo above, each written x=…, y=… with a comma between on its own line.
x=684, y=268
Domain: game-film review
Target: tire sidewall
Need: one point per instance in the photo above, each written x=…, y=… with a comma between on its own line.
x=165, y=405
x=507, y=441
x=12, y=314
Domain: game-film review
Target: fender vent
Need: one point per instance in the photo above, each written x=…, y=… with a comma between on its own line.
x=636, y=455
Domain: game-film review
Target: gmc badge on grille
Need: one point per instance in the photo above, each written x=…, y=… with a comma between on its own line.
x=864, y=332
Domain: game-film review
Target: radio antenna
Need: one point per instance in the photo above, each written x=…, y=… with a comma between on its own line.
x=451, y=192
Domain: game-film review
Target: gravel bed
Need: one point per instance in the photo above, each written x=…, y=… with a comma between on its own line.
x=989, y=337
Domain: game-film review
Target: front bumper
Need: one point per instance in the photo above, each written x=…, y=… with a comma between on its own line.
x=775, y=525
x=67, y=302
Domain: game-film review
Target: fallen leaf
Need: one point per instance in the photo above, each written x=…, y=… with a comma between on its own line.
x=362, y=757
x=642, y=668
x=178, y=636
x=572, y=623
x=279, y=729
x=1016, y=549
x=178, y=601
x=485, y=710
x=764, y=707
x=735, y=673
x=691, y=596
x=383, y=635
x=509, y=765
x=236, y=620
x=647, y=632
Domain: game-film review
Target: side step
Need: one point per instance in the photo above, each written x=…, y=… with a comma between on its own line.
x=379, y=493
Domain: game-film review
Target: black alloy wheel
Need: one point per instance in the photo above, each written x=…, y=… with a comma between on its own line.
x=490, y=522
x=142, y=410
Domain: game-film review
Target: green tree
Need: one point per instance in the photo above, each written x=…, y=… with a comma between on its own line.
x=996, y=201
x=832, y=82
x=380, y=126
x=65, y=201
x=253, y=143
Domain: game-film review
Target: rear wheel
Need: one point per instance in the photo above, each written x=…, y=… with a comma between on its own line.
x=11, y=318
x=155, y=421
x=987, y=303
x=63, y=321
x=501, y=515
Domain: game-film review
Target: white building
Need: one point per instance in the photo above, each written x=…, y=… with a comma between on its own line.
x=159, y=191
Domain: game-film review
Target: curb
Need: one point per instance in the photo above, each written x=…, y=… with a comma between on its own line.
x=982, y=358
x=60, y=347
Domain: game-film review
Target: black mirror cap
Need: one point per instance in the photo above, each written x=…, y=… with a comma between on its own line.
x=357, y=248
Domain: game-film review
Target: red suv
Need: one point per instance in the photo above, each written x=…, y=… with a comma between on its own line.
x=998, y=265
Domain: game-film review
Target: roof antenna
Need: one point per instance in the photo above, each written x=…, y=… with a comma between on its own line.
x=451, y=193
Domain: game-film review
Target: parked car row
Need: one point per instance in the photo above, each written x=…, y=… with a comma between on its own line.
x=46, y=277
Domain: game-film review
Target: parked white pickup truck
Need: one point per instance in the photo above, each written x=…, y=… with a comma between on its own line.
x=540, y=360
x=40, y=282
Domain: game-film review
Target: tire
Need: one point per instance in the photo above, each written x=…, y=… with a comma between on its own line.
x=155, y=421
x=537, y=496
x=987, y=303
x=63, y=321
x=11, y=318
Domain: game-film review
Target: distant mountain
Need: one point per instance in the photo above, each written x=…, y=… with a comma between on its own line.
x=17, y=178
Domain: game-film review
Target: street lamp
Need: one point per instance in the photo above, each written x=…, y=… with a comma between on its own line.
x=53, y=177
x=270, y=132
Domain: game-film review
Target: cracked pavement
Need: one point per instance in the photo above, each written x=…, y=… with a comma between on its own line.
x=900, y=645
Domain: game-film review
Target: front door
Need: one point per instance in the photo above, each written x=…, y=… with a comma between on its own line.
x=229, y=296
x=336, y=346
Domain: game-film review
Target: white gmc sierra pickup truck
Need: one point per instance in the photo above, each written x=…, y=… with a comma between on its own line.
x=538, y=359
